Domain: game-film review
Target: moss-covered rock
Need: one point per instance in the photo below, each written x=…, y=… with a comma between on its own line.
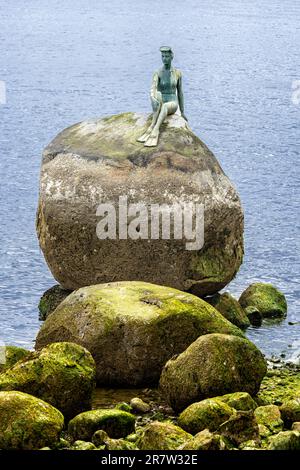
x=266, y=298
x=206, y=414
x=230, y=308
x=270, y=417
x=240, y=401
x=213, y=365
x=139, y=406
x=116, y=423
x=254, y=315
x=27, y=422
x=132, y=328
x=279, y=386
x=162, y=436
x=83, y=445
x=240, y=427
x=99, y=160
x=12, y=354
x=99, y=438
x=285, y=440
x=51, y=299
x=290, y=411
x=119, y=444
x=63, y=374
x=205, y=440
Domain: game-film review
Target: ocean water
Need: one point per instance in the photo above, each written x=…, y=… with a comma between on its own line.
x=63, y=62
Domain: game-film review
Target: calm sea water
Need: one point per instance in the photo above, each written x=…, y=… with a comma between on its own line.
x=65, y=61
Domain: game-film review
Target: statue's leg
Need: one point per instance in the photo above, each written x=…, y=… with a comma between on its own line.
x=166, y=108
x=155, y=115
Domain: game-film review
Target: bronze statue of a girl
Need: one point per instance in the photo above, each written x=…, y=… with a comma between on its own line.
x=166, y=95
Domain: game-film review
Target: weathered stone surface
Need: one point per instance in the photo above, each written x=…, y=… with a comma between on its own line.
x=213, y=365
x=230, y=308
x=240, y=427
x=268, y=300
x=97, y=161
x=132, y=328
x=62, y=374
x=27, y=423
x=162, y=436
x=50, y=300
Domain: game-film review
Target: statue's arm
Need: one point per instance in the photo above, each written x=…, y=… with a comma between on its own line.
x=180, y=96
x=155, y=95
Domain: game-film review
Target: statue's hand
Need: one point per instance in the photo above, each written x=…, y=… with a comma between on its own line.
x=184, y=117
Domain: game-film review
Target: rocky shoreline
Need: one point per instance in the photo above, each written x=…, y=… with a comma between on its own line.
x=49, y=399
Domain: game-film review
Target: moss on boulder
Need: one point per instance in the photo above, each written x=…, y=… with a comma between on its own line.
x=205, y=440
x=215, y=364
x=240, y=427
x=206, y=414
x=27, y=423
x=132, y=328
x=63, y=374
x=162, y=436
x=51, y=299
x=13, y=354
x=116, y=423
x=269, y=301
x=230, y=308
x=240, y=401
x=290, y=411
x=285, y=440
x=269, y=416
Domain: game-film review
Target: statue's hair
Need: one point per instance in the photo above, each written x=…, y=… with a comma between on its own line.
x=166, y=49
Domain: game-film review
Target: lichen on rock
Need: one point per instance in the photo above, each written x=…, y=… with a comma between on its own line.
x=132, y=328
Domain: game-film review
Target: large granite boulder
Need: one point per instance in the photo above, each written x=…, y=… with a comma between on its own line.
x=132, y=328
x=98, y=161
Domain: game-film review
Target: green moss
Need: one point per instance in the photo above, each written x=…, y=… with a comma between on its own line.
x=63, y=374
x=279, y=386
x=162, y=436
x=229, y=307
x=27, y=422
x=120, y=444
x=290, y=411
x=83, y=445
x=215, y=364
x=286, y=440
x=13, y=354
x=206, y=414
x=117, y=316
x=205, y=440
x=50, y=300
x=270, y=417
x=266, y=298
x=240, y=427
x=240, y=401
x=115, y=423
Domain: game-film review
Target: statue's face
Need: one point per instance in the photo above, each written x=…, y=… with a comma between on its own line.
x=166, y=58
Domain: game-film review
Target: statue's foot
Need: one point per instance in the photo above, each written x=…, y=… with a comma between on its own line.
x=152, y=139
x=145, y=136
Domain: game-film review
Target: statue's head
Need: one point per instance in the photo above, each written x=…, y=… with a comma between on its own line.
x=166, y=55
